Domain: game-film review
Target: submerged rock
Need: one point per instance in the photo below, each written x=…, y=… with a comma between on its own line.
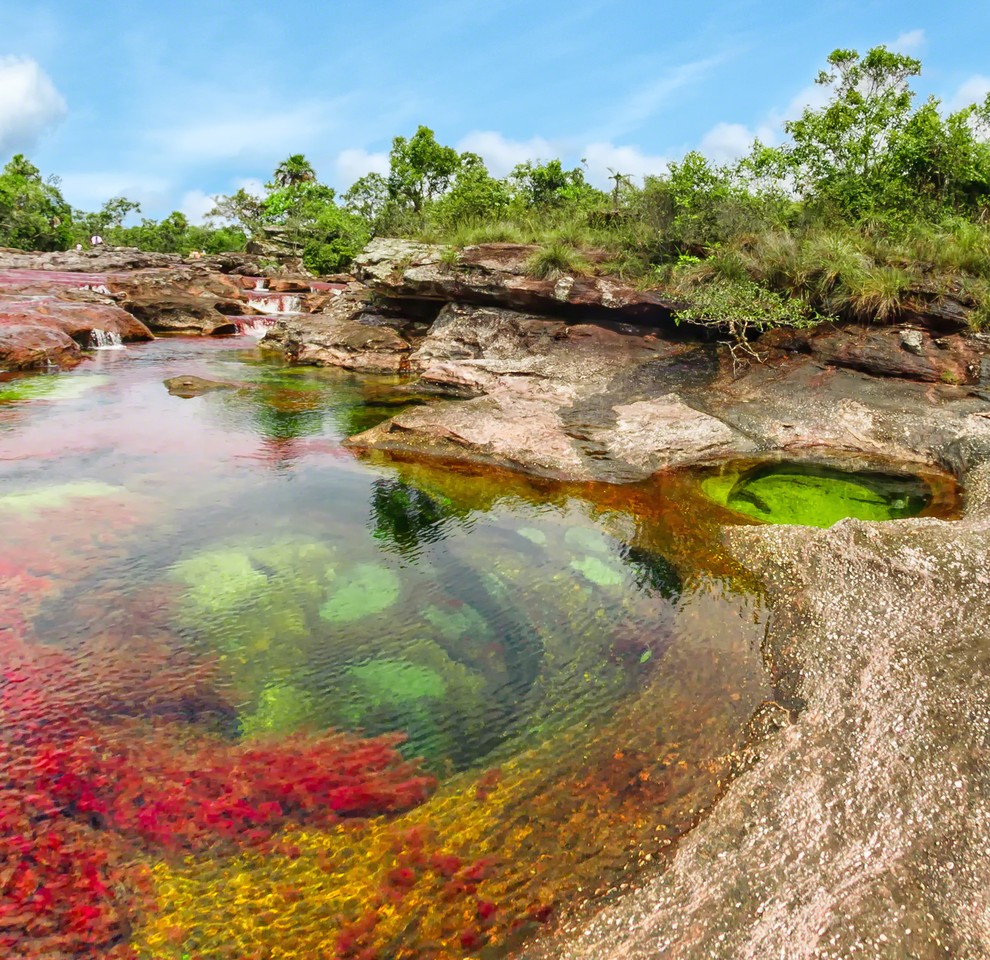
x=363, y=591
x=57, y=496
x=192, y=386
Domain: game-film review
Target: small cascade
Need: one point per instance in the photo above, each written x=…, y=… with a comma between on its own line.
x=105, y=340
x=253, y=326
x=275, y=303
x=96, y=288
x=260, y=284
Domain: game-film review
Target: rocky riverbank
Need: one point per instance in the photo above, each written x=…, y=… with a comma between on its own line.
x=54, y=306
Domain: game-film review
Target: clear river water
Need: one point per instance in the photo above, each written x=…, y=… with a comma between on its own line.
x=262, y=697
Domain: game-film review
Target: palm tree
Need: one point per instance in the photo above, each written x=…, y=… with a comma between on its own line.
x=293, y=170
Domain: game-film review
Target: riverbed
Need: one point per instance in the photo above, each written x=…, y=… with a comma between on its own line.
x=266, y=697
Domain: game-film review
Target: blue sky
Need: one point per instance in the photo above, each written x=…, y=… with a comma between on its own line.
x=172, y=102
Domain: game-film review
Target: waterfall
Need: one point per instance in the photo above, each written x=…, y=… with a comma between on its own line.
x=253, y=326
x=277, y=303
x=261, y=284
x=105, y=340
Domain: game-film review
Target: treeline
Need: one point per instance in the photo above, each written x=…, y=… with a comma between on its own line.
x=871, y=197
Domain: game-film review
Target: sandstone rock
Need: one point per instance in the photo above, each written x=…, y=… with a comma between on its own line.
x=666, y=432
x=26, y=346
x=181, y=300
x=348, y=334
x=37, y=333
x=883, y=352
x=192, y=386
x=99, y=260
x=77, y=318
x=518, y=431
x=496, y=274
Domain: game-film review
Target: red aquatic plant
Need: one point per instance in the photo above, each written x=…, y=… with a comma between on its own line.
x=84, y=802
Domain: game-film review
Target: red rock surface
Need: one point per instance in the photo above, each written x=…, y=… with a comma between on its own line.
x=46, y=331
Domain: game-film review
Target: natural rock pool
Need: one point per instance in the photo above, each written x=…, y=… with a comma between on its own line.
x=263, y=698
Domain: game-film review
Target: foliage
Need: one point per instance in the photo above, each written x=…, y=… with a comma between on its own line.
x=420, y=169
x=33, y=214
x=872, y=197
x=743, y=309
x=554, y=261
x=300, y=215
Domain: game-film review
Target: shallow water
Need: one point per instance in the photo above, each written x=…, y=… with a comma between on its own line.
x=262, y=698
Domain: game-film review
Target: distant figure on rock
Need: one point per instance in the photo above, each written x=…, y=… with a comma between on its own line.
x=78, y=248
x=95, y=240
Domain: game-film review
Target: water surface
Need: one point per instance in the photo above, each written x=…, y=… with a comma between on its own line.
x=262, y=698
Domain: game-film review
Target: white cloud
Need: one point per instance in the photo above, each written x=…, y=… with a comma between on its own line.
x=251, y=185
x=196, y=205
x=29, y=103
x=89, y=191
x=973, y=90
x=726, y=142
x=911, y=41
x=502, y=154
x=603, y=158
x=355, y=163
x=226, y=133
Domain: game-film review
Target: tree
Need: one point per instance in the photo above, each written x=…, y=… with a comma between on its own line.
x=368, y=197
x=548, y=184
x=838, y=156
x=420, y=169
x=33, y=213
x=475, y=195
x=293, y=171
x=108, y=218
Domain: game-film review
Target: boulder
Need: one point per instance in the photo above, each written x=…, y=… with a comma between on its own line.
x=27, y=346
x=496, y=274
x=77, y=318
x=348, y=334
x=50, y=331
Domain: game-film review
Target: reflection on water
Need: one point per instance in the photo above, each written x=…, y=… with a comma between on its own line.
x=261, y=698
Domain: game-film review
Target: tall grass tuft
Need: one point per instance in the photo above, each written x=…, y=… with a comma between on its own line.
x=555, y=260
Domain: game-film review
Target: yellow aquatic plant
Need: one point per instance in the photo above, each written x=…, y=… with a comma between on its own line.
x=494, y=853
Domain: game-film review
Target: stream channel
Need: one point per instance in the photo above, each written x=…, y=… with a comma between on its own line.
x=263, y=697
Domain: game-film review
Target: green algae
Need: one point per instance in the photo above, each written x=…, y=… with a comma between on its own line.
x=585, y=540
x=817, y=496
x=29, y=502
x=599, y=572
x=281, y=708
x=366, y=590
x=50, y=387
x=437, y=702
x=533, y=535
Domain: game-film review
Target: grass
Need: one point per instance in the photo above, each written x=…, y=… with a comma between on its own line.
x=555, y=260
x=867, y=272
